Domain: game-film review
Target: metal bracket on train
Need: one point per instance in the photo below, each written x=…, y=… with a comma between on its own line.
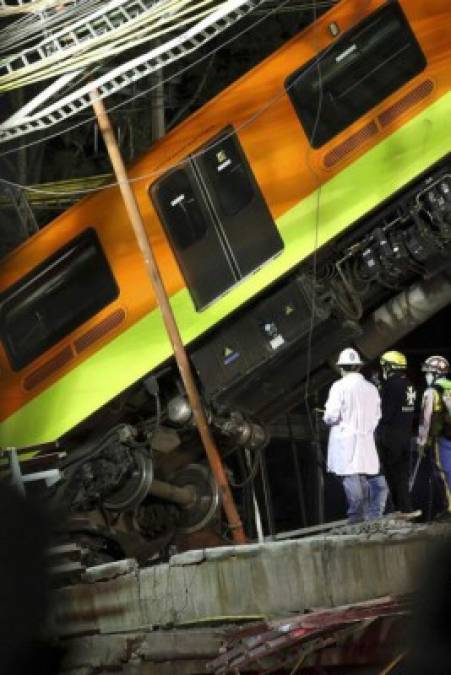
x=244, y=432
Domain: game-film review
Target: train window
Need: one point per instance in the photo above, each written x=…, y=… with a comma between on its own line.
x=229, y=176
x=370, y=62
x=180, y=209
x=56, y=297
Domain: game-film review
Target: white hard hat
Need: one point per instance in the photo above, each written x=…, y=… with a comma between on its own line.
x=349, y=357
x=436, y=364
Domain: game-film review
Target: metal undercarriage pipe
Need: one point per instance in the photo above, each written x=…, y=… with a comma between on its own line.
x=185, y=496
x=403, y=313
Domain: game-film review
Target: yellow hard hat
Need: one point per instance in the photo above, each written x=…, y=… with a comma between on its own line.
x=393, y=359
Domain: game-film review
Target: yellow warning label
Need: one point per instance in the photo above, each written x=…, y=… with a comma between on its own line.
x=289, y=309
x=228, y=351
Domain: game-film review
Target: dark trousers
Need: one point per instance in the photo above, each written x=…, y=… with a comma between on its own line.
x=395, y=460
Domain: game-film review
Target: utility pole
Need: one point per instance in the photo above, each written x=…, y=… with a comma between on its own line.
x=181, y=357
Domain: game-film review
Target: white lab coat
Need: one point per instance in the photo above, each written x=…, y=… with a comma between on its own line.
x=353, y=410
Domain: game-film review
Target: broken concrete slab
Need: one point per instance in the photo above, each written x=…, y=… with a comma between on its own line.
x=186, y=650
x=110, y=570
x=268, y=580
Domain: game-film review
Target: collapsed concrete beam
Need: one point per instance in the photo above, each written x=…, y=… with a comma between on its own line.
x=320, y=571
x=188, y=651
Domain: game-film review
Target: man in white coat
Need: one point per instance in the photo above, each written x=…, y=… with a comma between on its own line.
x=353, y=410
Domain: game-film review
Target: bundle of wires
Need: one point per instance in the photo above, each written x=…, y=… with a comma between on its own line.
x=115, y=27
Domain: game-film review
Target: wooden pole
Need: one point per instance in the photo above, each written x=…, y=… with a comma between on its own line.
x=200, y=419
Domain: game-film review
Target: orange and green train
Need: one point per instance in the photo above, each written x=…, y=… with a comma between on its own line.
x=233, y=199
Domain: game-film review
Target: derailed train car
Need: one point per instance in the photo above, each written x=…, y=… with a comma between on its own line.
x=340, y=137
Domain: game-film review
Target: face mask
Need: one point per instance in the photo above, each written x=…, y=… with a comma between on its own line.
x=430, y=377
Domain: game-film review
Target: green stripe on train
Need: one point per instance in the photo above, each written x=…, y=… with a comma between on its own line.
x=346, y=197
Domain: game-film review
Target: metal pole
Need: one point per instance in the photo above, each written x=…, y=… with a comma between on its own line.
x=297, y=471
x=257, y=515
x=266, y=487
x=181, y=358
x=16, y=473
x=318, y=514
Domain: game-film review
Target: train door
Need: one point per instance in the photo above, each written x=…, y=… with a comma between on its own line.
x=216, y=218
x=199, y=250
x=237, y=203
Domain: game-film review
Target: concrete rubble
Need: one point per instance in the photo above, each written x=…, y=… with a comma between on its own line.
x=112, y=615
x=167, y=652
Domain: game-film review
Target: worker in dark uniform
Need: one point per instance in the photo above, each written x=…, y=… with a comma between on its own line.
x=394, y=431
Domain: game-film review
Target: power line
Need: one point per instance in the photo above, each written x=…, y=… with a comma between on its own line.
x=148, y=90
x=116, y=26
x=122, y=76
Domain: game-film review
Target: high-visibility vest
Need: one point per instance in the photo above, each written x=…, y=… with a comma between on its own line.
x=441, y=409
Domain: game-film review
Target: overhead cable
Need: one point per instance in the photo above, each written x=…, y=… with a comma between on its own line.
x=122, y=76
x=33, y=6
x=31, y=27
x=177, y=74
x=108, y=31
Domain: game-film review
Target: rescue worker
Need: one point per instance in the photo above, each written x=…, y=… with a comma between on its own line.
x=353, y=411
x=435, y=422
x=394, y=431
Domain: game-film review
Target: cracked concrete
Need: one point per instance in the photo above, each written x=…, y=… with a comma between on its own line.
x=113, y=622
x=185, y=651
x=270, y=579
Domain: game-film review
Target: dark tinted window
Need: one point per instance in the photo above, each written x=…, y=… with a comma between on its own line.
x=180, y=210
x=55, y=298
x=366, y=65
x=229, y=176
